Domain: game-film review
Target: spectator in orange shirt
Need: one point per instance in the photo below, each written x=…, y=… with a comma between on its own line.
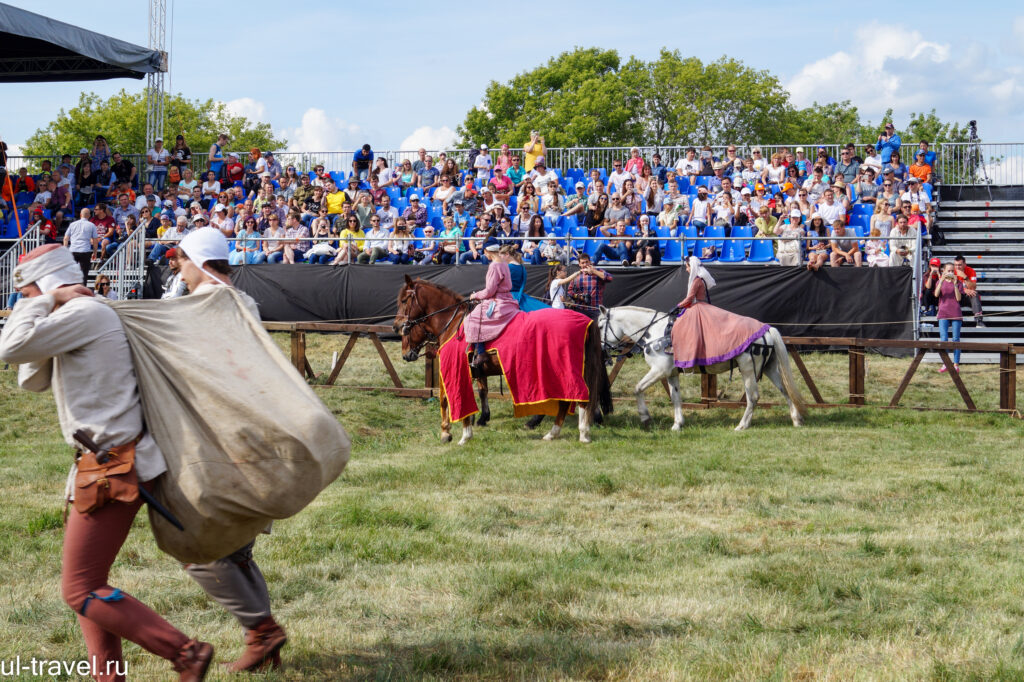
x=920, y=169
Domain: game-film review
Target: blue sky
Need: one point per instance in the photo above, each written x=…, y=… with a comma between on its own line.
x=333, y=75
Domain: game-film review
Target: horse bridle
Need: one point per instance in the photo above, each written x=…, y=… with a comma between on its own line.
x=621, y=340
x=429, y=337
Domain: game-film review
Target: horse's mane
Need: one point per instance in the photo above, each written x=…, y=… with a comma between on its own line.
x=442, y=288
x=635, y=308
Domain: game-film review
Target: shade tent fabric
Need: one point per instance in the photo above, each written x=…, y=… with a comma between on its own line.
x=34, y=48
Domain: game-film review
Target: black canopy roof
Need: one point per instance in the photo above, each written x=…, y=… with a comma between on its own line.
x=34, y=48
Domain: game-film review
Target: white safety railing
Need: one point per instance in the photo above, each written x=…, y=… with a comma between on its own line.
x=126, y=267
x=29, y=240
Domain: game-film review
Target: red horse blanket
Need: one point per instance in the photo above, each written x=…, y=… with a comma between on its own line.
x=705, y=335
x=541, y=356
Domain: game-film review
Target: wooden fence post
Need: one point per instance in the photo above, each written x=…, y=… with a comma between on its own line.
x=857, y=374
x=708, y=388
x=299, y=351
x=1008, y=379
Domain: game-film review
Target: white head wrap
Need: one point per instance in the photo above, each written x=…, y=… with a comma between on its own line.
x=49, y=266
x=697, y=269
x=204, y=244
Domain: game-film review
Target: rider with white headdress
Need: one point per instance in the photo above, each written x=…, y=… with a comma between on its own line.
x=698, y=284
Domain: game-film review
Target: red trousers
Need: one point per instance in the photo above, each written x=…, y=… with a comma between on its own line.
x=106, y=615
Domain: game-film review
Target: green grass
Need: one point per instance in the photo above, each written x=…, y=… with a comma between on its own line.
x=871, y=544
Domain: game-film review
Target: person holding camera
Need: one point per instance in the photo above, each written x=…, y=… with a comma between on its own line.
x=934, y=275
x=534, y=149
x=949, y=291
x=888, y=143
x=966, y=275
x=586, y=292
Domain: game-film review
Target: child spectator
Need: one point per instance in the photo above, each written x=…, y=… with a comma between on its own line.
x=845, y=247
x=948, y=291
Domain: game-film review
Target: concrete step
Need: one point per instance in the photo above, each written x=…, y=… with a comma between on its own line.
x=953, y=203
x=979, y=249
x=980, y=223
x=992, y=213
x=962, y=235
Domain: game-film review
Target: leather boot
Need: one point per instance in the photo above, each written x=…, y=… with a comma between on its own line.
x=262, y=647
x=193, y=661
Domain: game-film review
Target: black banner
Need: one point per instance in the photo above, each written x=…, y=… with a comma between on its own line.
x=864, y=302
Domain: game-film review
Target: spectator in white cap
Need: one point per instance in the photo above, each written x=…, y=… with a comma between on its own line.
x=158, y=158
x=415, y=215
x=635, y=162
x=482, y=163
x=790, y=235
x=576, y=204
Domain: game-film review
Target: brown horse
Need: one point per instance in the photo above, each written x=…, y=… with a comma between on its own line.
x=429, y=314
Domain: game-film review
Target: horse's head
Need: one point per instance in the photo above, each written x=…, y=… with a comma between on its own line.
x=407, y=320
x=425, y=313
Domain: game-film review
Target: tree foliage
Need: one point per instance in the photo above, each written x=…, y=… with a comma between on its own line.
x=122, y=120
x=591, y=97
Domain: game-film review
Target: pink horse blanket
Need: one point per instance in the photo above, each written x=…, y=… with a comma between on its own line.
x=541, y=356
x=705, y=335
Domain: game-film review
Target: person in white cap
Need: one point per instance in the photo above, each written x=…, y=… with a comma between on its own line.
x=482, y=163
x=158, y=158
x=66, y=339
x=790, y=242
x=234, y=581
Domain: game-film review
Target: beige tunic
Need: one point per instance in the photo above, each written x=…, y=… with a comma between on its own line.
x=80, y=351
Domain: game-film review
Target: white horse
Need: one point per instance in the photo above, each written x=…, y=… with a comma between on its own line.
x=647, y=328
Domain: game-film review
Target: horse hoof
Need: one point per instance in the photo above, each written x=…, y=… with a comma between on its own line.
x=584, y=439
x=741, y=427
x=463, y=440
x=548, y=436
x=446, y=438
x=677, y=427
x=645, y=424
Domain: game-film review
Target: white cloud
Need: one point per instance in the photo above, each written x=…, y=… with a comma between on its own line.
x=14, y=149
x=887, y=66
x=247, y=107
x=320, y=132
x=431, y=139
x=1008, y=170
x=1018, y=28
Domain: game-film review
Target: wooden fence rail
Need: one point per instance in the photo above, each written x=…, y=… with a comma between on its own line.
x=856, y=349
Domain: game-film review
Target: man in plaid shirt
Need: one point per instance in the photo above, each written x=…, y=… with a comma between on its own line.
x=586, y=292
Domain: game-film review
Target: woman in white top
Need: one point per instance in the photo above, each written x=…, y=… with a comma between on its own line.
x=186, y=184
x=553, y=202
x=558, y=278
x=774, y=173
x=211, y=188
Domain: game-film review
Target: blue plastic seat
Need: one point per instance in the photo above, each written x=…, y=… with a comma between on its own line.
x=732, y=252
x=745, y=232
x=761, y=251
x=690, y=232
x=671, y=249
x=716, y=232
x=701, y=246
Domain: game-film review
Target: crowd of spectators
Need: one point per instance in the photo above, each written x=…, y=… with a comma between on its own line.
x=814, y=209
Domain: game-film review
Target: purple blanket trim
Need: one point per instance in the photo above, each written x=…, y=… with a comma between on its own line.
x=727, y=356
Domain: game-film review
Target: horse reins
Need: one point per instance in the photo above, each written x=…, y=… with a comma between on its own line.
x=638, y=342
x=429, y=336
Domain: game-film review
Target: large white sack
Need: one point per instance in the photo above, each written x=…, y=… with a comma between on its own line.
x=246, y=439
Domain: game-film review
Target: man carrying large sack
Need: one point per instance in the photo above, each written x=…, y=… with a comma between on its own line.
x=235, y=581
x=66, y=339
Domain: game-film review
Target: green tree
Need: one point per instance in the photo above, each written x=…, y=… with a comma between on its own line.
x=929, y=127
x=122, y=120
x=832, y=122
x=576, y=99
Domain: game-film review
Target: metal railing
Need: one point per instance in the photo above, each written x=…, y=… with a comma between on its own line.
x=126, y=267
x=958, y=162
x=560, y=158
x=975, y=163
x=29, y=240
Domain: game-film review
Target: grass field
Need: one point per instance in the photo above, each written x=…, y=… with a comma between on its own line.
x=870, y=544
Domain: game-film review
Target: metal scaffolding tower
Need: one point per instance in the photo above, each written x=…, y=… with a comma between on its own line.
x=155, y=81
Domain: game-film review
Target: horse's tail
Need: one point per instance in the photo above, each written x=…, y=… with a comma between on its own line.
x=782, y=360
x=595, y=374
